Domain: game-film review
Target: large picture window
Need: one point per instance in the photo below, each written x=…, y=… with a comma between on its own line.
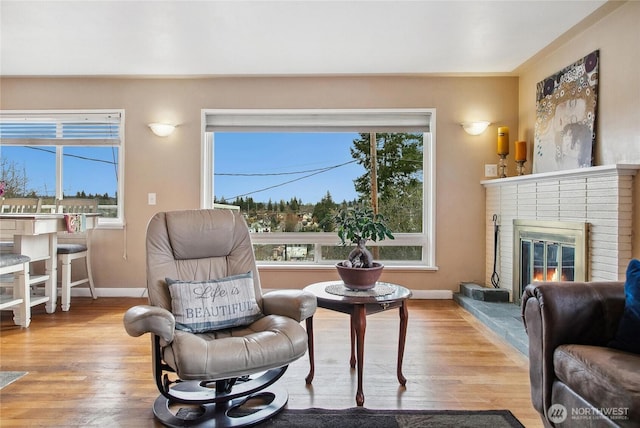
x=64, y=154
x=290, y=171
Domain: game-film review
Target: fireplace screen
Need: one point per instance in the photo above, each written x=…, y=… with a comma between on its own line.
x=549, y=251
x=546, y=261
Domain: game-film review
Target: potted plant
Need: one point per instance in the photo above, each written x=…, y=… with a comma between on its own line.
x=357, y=225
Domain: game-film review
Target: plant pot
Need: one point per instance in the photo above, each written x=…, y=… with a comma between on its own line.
x=360, y=278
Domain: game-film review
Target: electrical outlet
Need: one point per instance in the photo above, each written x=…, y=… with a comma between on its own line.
x=491, y=170
x=151, y=198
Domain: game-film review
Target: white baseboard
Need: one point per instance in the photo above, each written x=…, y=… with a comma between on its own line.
x=142, y=292
x=432, y=294
x=109, y=292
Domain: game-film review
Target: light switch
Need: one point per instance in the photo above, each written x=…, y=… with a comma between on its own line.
x=151, y=198
x=491, y=170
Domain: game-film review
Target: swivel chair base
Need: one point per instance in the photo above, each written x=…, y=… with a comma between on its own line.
x=246, y=402
x=259, y=407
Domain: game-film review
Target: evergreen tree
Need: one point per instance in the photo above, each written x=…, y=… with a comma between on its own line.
x=323, y=213
x=399, y=177
x=294, y=205
x=399, y=163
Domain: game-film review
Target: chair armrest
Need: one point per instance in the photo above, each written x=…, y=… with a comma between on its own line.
x=296, y=304
x=554, y=314
x=142, y=319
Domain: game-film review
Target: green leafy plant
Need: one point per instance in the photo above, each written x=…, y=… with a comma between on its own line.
x=358, y=225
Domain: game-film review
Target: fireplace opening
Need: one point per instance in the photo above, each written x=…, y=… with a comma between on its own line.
x=548, y=251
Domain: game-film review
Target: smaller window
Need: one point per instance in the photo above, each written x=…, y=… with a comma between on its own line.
x=65, y=154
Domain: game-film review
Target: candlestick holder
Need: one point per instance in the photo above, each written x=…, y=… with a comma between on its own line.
x=502, y=166
x=520, y=167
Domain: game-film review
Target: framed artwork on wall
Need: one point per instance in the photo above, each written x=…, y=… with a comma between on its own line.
x=566, y=106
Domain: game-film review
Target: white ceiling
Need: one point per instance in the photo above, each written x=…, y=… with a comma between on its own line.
x=202, y=38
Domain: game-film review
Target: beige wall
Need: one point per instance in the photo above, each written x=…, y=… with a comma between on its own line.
x=170, y=166
x=614, y=30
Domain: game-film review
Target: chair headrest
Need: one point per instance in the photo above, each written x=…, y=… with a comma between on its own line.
x=199, y=234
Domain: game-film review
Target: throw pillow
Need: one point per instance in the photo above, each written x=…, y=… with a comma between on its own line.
x=628, y=334
x=216, y=304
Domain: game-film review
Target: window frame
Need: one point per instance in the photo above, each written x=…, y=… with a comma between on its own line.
x=59, y=144
x=241, y=117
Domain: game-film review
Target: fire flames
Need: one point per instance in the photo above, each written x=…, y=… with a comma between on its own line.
x=552, y=275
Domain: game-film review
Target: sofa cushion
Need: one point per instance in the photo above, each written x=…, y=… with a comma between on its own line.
x=628, y=334
x=605, y=377
x=201, y=306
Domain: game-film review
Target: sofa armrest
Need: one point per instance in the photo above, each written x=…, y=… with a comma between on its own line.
x=296, y=304
x=558, y=313
x=142, y=319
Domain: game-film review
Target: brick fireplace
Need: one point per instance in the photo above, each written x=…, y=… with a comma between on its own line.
x=594, y=202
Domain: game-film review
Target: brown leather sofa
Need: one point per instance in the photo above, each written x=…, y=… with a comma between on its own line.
x=576, y=380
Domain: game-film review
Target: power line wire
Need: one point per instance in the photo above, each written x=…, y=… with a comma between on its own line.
x=291, y=181
x=231, y=174
x=71, y=155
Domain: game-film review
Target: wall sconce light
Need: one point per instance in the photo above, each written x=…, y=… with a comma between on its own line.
x=475, y=128
x=162, y=129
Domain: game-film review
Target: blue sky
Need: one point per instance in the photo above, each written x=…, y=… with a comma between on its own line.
x=89, y=169
x=92, y=169
x=283, y=153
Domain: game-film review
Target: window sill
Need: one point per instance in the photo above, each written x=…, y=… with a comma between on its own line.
x=323, y=267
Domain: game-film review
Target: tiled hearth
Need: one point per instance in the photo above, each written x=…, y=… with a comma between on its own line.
x=600, y=196
x=502, y=317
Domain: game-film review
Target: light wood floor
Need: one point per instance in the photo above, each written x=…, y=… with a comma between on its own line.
x=84, y=370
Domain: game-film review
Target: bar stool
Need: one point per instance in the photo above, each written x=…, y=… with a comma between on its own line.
x=67, y=252
x=20, y=300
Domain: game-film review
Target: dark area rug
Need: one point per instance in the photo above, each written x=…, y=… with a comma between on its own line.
x=7, y=378
x=366, y=418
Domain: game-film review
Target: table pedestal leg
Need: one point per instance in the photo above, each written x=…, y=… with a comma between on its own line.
x=312, y=365
x=359, y=324
x=404, y=318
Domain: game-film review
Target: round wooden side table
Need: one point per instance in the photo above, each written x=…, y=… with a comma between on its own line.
x=359, y=304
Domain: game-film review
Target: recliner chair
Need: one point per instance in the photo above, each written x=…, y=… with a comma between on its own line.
x=208, y=367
